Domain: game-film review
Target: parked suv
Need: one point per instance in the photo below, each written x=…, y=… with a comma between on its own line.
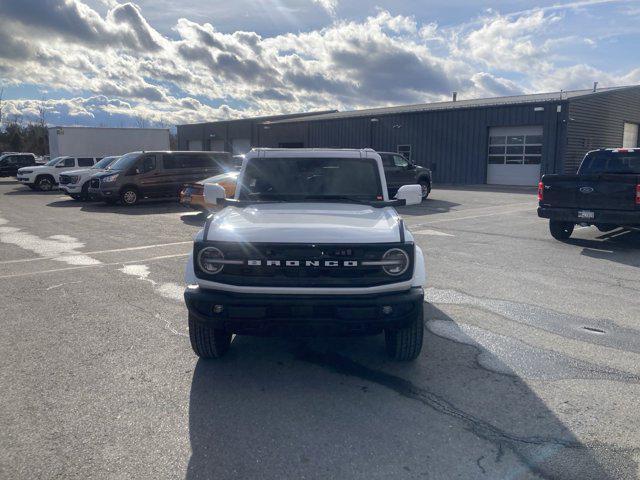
x=311, y=244
x=138, y=175
x=400, y=171
x=11, y=162
x=75, y=183
x=46, y=177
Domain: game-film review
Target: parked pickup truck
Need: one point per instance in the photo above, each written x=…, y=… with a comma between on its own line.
x=310, y=244
x=605, y=193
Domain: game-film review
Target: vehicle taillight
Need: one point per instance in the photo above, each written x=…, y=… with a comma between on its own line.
x=540, y=191
x=638, y=194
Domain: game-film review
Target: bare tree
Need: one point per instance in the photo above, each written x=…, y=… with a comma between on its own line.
x=141, y=122
x=15, y=118
x=42, y=112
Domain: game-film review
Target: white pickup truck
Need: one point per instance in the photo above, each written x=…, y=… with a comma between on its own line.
x=310, y=244
x=75, y=183
x=46, y=177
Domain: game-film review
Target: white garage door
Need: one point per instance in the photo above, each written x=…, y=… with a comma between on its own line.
x=241, y=145
x=195, y=145
x=217, y=145
x=515, y=155
x=630, y=137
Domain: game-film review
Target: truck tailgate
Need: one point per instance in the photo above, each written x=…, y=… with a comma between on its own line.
x=597, y=192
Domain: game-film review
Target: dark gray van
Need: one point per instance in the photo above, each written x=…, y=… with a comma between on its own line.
x=139, y=175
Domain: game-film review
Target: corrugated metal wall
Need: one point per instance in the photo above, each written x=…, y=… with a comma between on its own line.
x=452, y=143
x=597, y=121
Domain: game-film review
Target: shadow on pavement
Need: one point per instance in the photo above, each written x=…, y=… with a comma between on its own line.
x=145, y=207
x=532, y=190
x=337, y=408
x=619, y=245
x=24, y=190
x=194, y=218
x=429, y=206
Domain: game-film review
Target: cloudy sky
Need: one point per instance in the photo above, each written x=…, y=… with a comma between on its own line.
x=163, y=62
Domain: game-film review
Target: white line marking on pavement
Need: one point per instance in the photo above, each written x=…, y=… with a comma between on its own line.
x=55, y=270
x=61, y=248
x=98, y=252
x=469, y=217
x=169, y=290
x=432, y=232
x=62, y=285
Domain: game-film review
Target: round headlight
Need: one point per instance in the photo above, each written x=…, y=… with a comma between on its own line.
x=396, y=262
x=209, y=260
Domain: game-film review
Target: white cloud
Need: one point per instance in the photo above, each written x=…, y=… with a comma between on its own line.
x=123, y=67
x=329, y=5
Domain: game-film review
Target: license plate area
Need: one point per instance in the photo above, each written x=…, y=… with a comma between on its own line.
x=586, y=214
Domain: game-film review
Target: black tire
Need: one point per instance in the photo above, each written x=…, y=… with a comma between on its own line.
x=425, y=185
x=84, y=193
x=561, y=230
x=45, y=183
x=129, y=196
x=405, y=344
x=208, y=342
x=75, y=197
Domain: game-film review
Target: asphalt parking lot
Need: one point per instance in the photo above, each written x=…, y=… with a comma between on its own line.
x=531, y=364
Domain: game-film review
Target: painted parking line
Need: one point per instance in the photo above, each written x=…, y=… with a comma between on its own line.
x=98, y=265
x=98, y=252
x=432, y=232
x=470, y=217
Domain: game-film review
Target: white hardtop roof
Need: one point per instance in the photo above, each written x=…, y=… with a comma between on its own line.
x=312, y=152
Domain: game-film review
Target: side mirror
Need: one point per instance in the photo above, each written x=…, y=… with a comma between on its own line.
x=411, y=166
x=213, y=193
x=411, y=194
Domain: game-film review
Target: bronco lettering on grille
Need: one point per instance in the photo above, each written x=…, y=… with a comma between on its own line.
x=306, y=263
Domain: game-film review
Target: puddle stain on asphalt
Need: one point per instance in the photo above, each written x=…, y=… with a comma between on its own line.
x=544, y=456
x=509, y=356
x=570, y=326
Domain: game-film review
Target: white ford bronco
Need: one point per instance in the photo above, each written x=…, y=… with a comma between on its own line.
x=310, y=244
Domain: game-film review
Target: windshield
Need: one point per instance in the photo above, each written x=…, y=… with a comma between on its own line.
x=105, y=162
x=125, y=161
x=611, y=162
x=311, y=178
x=53, y=161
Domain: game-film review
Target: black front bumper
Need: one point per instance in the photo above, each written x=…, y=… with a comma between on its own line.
x=251, y=314
x=612, y=217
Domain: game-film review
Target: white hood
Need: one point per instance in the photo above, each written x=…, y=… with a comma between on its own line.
x=81, y=171
x=33, y=168
x=306, y=223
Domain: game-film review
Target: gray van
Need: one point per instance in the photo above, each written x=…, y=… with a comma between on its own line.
x=139, y=175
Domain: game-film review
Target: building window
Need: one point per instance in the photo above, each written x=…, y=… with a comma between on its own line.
x=515, y=150
x=405, y=151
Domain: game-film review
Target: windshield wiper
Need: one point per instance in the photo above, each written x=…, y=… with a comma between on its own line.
x=341, y=198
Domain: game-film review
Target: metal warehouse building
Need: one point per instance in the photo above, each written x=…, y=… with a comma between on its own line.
x=503, y=141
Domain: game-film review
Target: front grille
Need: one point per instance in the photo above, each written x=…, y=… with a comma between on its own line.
x=303, y=275
x=95, y=183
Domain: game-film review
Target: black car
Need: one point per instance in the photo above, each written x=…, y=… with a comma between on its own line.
x=400, y=171
x=11, y=162
x=605, y=193
x=139, y=175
